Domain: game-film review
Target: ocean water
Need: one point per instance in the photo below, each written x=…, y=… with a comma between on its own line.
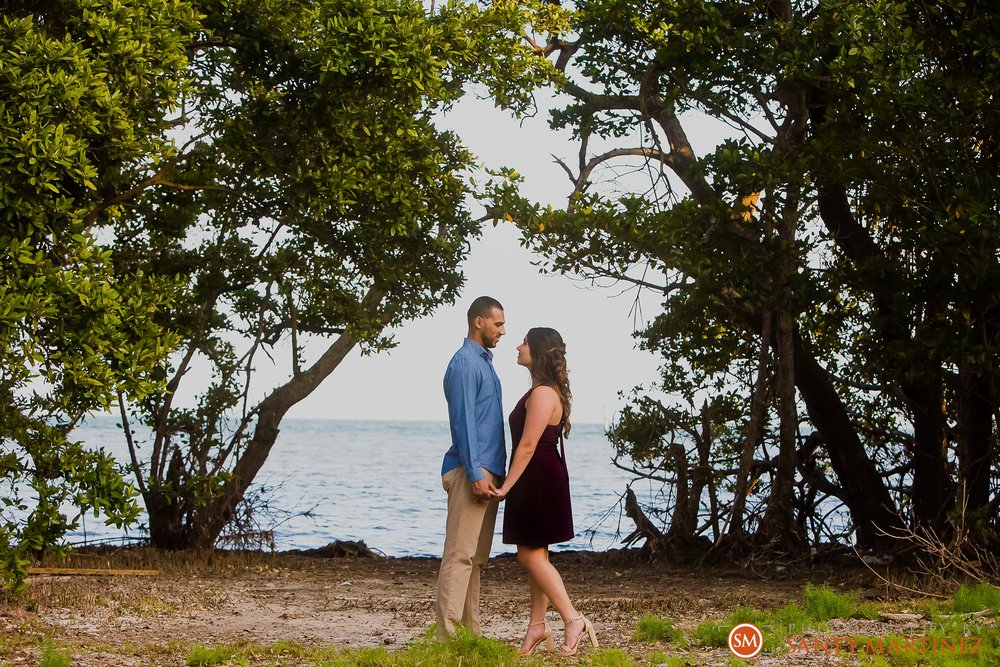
x=379, y=481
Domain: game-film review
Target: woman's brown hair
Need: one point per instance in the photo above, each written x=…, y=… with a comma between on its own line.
x=548, y=365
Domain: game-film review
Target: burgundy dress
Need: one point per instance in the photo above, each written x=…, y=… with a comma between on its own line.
x=537, y=511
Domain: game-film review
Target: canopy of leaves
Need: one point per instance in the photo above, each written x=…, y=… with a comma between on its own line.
x=313, y=204
x=83, y=90
x=869, y=132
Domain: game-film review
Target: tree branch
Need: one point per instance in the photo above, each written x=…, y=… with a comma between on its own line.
x=652, y=153
x=182, y=186
x=155, y=179
x=603, y=102
x=140, y=481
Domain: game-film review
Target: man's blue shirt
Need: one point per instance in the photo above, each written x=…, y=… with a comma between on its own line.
x=475, y=412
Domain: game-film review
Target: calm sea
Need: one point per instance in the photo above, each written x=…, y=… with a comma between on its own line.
x=379, y=481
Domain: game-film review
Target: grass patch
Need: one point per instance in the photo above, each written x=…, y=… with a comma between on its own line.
x=201, y=656
x=716, y=634
x=15, y=641
x=608, y=657
x=472, y=651
x=461, y=649
x=283, y=647
x=152, y=606
x=867, y=610
x=775, y=625
x=950, y=638
x=361, y=657
x=822, y=603
x=52, y=657
x=978, y=598
x=28, y=636
x=652, y=628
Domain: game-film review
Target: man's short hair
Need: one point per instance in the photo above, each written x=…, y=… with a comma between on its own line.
x=482, y=307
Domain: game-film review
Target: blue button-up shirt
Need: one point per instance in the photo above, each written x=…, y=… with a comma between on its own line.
x=475, y=412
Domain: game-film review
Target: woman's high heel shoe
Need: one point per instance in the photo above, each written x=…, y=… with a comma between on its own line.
x=546, y=637
x=588, y=629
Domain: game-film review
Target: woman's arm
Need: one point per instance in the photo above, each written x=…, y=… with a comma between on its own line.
x=541, y=406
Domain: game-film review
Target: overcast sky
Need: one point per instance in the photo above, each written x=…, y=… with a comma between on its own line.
x=405, y=383
x=596, y=323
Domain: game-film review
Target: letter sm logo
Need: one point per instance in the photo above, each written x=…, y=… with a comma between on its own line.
x=746, y=641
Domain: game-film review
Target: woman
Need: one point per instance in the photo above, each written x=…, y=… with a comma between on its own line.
x=538, y=511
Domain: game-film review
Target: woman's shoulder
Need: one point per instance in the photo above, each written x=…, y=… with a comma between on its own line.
x=543, y=394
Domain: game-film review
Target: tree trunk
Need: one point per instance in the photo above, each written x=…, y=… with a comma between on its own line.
x=883, y=279
x=269, y=415
x=704, y=475
x=755, y=423
x=932, y=493
x=169, y=522
x=682, y=523
x=864, y=491
x=778, y=527
x=202, y=527
x=975, y=437
x=172, y=519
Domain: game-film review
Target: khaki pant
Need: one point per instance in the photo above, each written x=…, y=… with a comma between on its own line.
x=467, y=543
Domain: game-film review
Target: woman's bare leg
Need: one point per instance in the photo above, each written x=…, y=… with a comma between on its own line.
x=536, y=622
x=546, y=578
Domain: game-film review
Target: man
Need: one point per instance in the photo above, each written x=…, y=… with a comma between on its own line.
x=473, y=467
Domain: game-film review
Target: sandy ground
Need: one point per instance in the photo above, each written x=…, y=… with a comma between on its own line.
x=226, y=598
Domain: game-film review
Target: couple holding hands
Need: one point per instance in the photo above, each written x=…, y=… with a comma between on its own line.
x=536, y=487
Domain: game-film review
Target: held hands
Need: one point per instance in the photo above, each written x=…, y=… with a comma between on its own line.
x=484, y=491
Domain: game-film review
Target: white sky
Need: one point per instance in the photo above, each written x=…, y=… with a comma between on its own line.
x=405, y=383
x=596, y=323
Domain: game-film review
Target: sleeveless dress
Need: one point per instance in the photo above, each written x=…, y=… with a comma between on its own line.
x=537, y=510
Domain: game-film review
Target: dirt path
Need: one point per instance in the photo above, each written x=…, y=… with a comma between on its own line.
x=228, y=598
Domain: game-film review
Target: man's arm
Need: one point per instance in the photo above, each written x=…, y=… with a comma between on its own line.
x=460, y=387
x=461, y=384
